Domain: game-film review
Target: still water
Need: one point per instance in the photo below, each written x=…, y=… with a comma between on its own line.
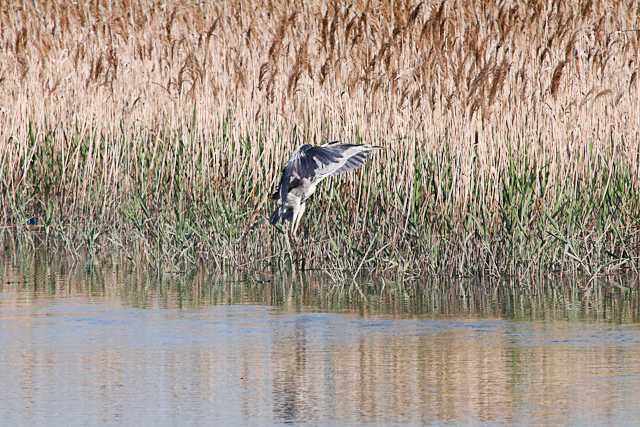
x=109, y=346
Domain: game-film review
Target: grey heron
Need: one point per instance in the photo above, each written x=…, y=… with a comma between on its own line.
x=306, y=168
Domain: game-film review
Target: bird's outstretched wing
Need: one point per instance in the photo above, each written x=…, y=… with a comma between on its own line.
x=313, y=163
x=317, y=162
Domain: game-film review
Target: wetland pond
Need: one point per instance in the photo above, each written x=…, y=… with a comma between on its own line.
x=111, y=346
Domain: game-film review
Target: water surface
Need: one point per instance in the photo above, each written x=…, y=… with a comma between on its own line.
x=111, y=346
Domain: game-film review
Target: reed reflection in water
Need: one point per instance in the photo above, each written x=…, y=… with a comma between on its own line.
x=115, y=347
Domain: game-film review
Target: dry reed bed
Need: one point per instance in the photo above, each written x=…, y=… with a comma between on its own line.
x=511, y=129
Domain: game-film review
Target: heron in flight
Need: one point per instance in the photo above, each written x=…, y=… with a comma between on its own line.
x=306, y=168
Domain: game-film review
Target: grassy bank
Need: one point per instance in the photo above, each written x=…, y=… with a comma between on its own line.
x=511, y=132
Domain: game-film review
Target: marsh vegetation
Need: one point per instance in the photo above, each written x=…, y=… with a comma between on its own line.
x=510, y=129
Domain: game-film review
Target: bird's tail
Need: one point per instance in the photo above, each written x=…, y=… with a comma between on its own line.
x=281, y=214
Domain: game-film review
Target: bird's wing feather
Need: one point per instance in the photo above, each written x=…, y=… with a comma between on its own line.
x=351, y=162
x=283, y=187
x=315, y=163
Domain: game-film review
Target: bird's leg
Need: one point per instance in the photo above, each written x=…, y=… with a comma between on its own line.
x=287, y=240
x=290, y=237
x=294, y=248
x=294, y=222
x=299, y=255
x=297, y=216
